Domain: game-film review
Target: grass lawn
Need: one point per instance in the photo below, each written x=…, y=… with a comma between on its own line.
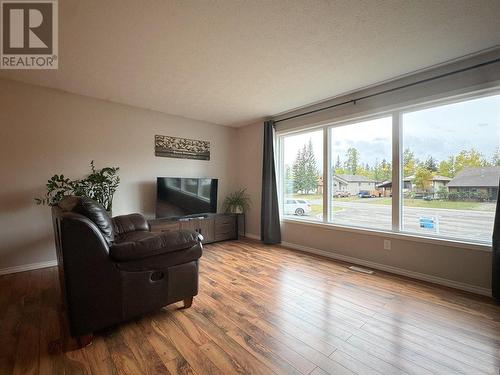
x=420, y=203
x=318, y=209
x=307, y=197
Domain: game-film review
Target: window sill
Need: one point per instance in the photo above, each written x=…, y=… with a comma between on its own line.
x=398, y=236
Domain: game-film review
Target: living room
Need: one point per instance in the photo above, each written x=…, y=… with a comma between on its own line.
x=250, y=187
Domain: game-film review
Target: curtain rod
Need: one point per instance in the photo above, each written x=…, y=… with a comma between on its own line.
x=391, y=90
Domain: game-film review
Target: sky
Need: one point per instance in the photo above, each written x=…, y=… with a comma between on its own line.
x=438, y=132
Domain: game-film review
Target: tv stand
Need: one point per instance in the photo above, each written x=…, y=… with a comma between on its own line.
x=213, y=227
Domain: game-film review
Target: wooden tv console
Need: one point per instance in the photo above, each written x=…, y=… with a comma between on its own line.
x=213, y=227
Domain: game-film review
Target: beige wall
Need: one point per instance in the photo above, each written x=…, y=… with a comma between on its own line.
x=43, y=132
x=249, y=160
x=458, y=265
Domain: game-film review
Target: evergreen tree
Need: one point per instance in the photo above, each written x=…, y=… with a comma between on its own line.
x=288, y=180
x=376, y=171
x=495, y=160
x=351, y=164
x=430, y=164
x=298, y=172
x=311, y=169
x=385, y=171
x=338, y=165
x=305, y=170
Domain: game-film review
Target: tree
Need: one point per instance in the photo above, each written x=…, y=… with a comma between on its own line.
x=443, y=193
x=305, y=170
x=471, y=158
x=431, y=164
x=338, y=169
x=495, y=160
x=385, y=171
x=311, y=169
x=409, y=163
x=298, y=172
x=423, y=178
x=351, y=164
x=338, y=165
x=376, y=175
x=289, y=186
x=447, y=167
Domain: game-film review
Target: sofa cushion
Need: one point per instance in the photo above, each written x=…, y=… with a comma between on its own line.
x=130, y=223
x=162, y=261
x=143, y=244
x=93, y=210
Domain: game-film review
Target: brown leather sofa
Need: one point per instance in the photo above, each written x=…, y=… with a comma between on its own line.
x=115, y=269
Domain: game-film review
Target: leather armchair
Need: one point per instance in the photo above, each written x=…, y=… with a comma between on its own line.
x=115, y=269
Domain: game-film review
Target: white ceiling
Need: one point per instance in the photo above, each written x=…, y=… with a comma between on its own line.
x=231, y=62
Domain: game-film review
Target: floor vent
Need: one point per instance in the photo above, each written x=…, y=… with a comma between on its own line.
x=361, y=269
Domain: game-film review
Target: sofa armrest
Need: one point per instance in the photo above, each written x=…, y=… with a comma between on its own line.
x=130, y=223
x=154, y=244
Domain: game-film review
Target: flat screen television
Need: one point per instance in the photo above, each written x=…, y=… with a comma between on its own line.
x=177, y=196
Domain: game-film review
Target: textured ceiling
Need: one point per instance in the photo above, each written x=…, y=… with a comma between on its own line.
x=231, y=62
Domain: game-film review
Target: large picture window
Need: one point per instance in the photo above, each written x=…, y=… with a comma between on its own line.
x=448, y=164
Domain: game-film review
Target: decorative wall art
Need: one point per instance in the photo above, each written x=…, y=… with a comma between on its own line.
x=184, y=148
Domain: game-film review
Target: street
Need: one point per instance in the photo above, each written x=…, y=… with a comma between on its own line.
x=463, y=224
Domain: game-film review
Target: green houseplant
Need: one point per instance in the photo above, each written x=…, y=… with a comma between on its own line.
x=100, y=185
x=237, y=202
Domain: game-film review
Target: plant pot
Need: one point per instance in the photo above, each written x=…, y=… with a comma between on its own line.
x=237, y=210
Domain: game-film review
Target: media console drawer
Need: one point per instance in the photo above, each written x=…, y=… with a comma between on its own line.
x=164, y=226
x=213, y=228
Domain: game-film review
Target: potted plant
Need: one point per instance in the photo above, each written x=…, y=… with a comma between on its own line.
x=237, y=202
x=99, y=185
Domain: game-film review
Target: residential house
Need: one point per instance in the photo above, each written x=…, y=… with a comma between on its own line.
x=385, y=188
x=484, y=180
x=436, y=183
x=352, y=183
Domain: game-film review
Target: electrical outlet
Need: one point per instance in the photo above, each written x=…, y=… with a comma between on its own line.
x=387, y=244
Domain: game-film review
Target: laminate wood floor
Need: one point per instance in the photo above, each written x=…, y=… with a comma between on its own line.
x=262, y=310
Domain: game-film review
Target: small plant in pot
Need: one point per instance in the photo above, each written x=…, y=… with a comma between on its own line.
x=100, y=185
x=237, y=202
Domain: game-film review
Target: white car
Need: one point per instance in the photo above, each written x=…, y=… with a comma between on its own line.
x=298, y=207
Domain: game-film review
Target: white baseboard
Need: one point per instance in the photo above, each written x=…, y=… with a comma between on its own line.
x=28, y=267
x=392, y=269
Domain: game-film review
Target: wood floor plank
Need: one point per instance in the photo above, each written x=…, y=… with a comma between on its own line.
x=249, y=322
x=51, y=354
x=242, y=358
x=262, y=310
x=27, y=354
x=269, y=338
x=187, y=347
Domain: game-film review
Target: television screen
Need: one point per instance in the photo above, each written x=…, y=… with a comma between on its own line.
x=176, y=196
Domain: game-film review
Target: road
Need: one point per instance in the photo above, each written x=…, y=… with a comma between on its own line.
x=463, y=224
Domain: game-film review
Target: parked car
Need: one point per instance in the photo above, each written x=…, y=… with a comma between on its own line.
x=341, y=194
x=366, y=194
x=298, y=207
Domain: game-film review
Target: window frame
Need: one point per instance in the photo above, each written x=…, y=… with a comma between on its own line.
x=397, y=178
